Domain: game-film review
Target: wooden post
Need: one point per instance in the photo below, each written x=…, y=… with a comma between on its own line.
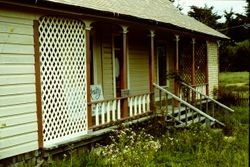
x=193, y=68
x=176, y=87
x=151, y=70
x=206, y=79
x=124, y=80
x=87, y=29
x=38, y=84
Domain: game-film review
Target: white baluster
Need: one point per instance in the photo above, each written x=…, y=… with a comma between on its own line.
x=113, y=109
x=97, y=106
x=144, y=103
x=108, y=111
x=130, y=101
x=103, y=112
x=139, y=104
x=148, y=103
x=119, y=109
x=135, y=105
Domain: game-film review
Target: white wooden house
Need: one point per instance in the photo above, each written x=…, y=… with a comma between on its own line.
x=52, y=51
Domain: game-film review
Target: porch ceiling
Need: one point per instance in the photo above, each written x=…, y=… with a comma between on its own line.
x=162, y=11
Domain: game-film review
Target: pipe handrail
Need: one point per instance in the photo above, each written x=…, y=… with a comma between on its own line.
x=215, y=101
x=188, y=105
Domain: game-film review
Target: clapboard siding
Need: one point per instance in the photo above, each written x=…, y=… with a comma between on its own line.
x=16, y=69
x=17, y=89
x=17, y=99
x=17, y=109
x=13, y=28
x=18, y=149
x=213, y=66
x=16, y=39
x=16, y=59
x=138, y=67
x=17, y=140
x=17, y=48
x=18, y=21
x=18, y=120
x=17, y=79
x=17, y=130
x=107, y=71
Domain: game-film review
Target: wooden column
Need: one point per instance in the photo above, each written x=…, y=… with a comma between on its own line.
x=193, y=68
x=176, y=87
x=88, y=57
x=193, y=62
x=206, y=75
x=151, y=70
x=124, y=80
x=38, y=84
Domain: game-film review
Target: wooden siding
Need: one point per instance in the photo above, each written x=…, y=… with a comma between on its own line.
x=171, y=63
x=138, y=67
x=18, y=121
x=107, y=66
x=213, y=66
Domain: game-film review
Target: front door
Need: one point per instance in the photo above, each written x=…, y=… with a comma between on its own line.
x=162, y=65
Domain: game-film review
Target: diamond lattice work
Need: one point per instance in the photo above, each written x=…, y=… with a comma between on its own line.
x=186, y=61
x=63, y=78
x=200, y=63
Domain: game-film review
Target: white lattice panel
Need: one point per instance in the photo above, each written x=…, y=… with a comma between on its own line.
x=63, y=78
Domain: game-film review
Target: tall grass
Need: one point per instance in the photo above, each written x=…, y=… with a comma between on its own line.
x=193, y=146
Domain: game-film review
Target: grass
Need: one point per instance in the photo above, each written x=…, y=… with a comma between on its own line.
x=192, y=146
x=234, y=78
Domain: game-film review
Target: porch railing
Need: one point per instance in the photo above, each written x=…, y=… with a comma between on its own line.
x=202, y=95
x=210, y=105
x=189, y=95
x=109, y=111
x=174, y=110
x=139, y=104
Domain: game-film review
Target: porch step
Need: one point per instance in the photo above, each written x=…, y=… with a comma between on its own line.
x=196, y=120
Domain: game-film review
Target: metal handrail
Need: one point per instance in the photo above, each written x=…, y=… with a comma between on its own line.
x=188, y=105
x=215, y=101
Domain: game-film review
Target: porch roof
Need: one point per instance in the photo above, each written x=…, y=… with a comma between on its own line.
x=162, y=11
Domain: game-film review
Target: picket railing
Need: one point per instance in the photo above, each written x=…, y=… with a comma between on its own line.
x=139, y=104
x=106, y=111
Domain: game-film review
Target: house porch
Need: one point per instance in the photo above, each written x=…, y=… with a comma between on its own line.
x=122, y=61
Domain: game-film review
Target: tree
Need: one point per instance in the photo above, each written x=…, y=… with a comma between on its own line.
x=205, y=15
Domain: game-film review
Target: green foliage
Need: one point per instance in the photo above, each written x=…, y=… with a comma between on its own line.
x=234, y=53
x=235, y=57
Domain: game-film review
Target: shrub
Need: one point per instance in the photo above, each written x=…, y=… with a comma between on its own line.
x=228, y=97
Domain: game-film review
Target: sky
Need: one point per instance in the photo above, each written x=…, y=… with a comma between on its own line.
x=220, y=6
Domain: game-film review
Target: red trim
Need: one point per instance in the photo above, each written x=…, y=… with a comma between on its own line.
x=38, y=84
x=124, y=82
x=206, y=74
x=151, y=71
x=88, y=77
x=176, y=88
x=193, y=67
